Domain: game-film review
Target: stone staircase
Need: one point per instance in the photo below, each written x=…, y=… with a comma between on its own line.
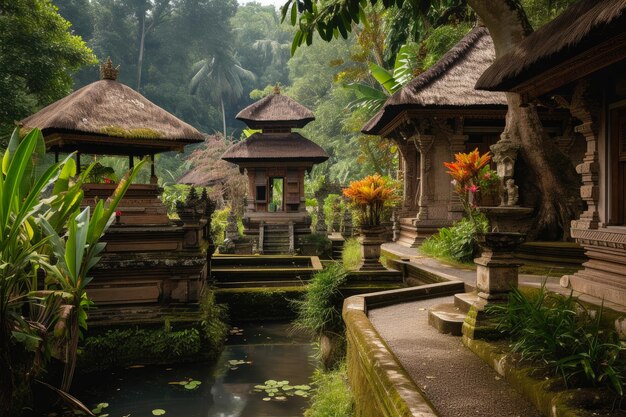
x=256, y=271
x=448, y=318
x=276, y=239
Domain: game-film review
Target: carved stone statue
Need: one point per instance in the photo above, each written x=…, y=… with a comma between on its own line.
x=512, y=193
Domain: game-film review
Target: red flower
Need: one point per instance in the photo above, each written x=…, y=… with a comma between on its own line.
x=118, y=213
x=107, y=181
x=472, y=189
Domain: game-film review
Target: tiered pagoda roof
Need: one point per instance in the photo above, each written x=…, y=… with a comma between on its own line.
x=276, y=114
x=275, y=110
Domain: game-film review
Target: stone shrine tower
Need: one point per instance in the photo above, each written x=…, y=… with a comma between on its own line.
x=275, y=160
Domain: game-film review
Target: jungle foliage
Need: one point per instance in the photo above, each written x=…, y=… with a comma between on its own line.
x=48, y=246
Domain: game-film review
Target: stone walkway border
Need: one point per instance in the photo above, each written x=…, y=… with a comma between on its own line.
x=380, y=384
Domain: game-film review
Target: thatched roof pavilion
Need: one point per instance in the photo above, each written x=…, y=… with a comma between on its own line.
x=589, y=35
x=449, y=84
x=107, y=117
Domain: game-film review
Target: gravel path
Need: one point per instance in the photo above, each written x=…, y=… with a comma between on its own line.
x=456, y=381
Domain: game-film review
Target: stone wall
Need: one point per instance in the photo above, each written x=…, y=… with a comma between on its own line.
x=377, y=379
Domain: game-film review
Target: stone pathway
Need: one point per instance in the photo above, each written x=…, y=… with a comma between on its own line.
x=457, y=382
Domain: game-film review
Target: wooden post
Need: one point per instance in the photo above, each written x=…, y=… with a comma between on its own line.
x=153, y=177
x=131, y=162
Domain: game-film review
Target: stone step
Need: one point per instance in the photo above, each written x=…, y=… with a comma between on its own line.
x=464, y=301
x=261, y=284
x=266, y=274
x=447, y=318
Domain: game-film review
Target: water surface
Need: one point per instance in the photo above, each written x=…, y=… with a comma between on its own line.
x=254, y=354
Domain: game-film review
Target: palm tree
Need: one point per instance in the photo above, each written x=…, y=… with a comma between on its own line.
x=221, y=75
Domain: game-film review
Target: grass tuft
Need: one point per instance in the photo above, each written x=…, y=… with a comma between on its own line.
x=351, y=255
x=563, y=335
x=332, y=396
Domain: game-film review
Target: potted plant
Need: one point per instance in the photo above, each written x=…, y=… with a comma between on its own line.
x=369, y=197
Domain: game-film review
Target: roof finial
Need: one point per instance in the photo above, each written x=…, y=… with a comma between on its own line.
x=277, y=88
x=107, y=72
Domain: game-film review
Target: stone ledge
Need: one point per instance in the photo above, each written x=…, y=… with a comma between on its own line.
x=376, y=376
x=541, y=392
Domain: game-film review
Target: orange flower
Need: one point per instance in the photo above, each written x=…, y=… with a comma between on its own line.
x=369, y=196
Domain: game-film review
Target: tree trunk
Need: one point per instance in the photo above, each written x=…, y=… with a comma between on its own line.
x=555, y=179
x=223, y=118
x=142, y=41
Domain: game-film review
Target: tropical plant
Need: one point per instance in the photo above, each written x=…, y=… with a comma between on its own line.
x=37, y=204
x=564, y=335
x=372, y=99
x=369, y=196
x=222, y=75
x=76, y=253
x=458, y=242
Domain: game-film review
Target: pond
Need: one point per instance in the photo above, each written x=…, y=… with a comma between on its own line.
x=264, y=370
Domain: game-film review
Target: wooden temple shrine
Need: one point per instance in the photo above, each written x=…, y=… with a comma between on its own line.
x=149, y=259
x=276, y=160
x=438, y=114
x=580, y=65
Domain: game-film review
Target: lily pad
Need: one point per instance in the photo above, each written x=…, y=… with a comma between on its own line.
x=158, y=412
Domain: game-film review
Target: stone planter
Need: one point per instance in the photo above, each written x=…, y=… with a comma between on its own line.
x=496, y=269
x=370, y=239
x=508, y=219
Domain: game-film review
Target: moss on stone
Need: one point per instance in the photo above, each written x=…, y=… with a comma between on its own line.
x=546, y=392
x=118, y=131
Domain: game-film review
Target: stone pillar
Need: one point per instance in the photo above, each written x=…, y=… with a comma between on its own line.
x=583, y=107
x=424, y=144
x=232, y=232
x=321, y=227
x=455, y=208
x=347, y=223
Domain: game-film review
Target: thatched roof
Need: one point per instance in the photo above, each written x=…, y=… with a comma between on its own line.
x=579, y=28
x=448, y=83
x=275, y=147
x=108, y=109
x=276, y=110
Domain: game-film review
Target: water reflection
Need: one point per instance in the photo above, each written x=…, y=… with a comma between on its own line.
x=251, y=357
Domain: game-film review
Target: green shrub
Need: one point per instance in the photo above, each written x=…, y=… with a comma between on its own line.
x=456, y=243
x=560, y=333
x=219, y=221
x=213, y=324
x=332, y=396
x=351, y=255
x=320, y=311
x=171, y=194
x=122, y=347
